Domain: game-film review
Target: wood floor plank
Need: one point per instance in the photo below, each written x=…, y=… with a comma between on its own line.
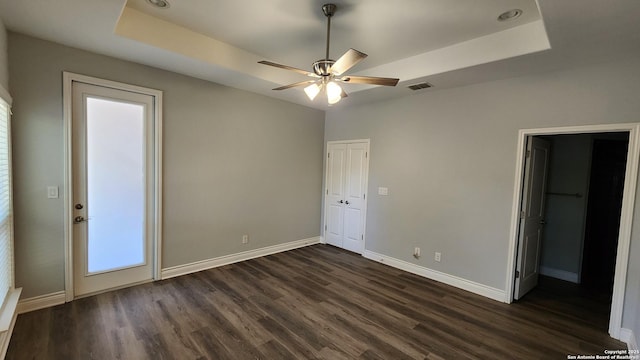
x=289, y=340
x=272, y=349
x=317, y=302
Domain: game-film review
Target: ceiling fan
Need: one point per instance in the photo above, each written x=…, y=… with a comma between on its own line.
x=328, y=73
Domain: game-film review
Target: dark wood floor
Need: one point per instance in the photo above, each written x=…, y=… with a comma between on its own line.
x=317, y=302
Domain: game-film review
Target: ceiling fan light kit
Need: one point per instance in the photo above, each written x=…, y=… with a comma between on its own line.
x=328, y=73
x=312, y=91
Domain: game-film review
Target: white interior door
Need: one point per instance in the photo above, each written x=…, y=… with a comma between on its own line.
x=356, y=181
x=113, y=197
x=532, y=215
x=335, y=194
x=345, y=201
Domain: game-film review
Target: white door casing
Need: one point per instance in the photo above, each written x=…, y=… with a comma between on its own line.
x=79, y=281
x=626, y=216
x=532, y=218
x=345, y=194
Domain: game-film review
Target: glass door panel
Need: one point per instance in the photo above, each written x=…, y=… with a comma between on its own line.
x=115, y=184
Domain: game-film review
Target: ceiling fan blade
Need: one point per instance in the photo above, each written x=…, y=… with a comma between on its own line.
x=370, y=80
x=287, y=67
x=347, y=61
x=301, y=83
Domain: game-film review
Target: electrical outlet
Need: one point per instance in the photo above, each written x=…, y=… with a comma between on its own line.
x=416, y=252
x=437, y=257
x=245, y=239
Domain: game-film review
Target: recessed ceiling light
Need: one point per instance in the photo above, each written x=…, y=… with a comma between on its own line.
x=161, y=4
x=505, y=16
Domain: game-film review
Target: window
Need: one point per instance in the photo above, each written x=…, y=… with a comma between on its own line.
x=6, y=210
x=8, y=294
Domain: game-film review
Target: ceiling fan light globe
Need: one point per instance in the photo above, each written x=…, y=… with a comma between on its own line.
x=312, y=91
x=334, y=93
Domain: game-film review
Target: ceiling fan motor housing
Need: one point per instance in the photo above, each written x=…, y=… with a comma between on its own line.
x=323, y=67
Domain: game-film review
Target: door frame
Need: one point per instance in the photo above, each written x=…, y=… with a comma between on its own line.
x=366, y=186
x=626, y=216
x=68, y=80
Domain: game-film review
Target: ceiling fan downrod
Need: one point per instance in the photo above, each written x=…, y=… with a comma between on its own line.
x=328, y=10
x=323, y=67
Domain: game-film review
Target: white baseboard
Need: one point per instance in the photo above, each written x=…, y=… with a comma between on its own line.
x=233, y=258
x=559, y=274
x=627, y=336
x=41, y=302
x=464, y=284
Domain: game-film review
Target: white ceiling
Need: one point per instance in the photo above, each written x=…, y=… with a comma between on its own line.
x=294, y=32
x=448, y=43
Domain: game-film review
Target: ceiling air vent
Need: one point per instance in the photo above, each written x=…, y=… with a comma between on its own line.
x=420, y=86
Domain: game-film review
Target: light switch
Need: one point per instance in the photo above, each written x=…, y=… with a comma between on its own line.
x=52, y=192
x=383, y=191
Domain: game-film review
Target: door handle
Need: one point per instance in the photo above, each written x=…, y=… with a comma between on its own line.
x=347, y=202
x=79, y=219
x=340, y=202
x=542, y=222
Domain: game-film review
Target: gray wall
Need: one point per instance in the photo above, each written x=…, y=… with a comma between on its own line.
x=4, y=61
x=234, y=162
x=448, y=158
x=565, y=216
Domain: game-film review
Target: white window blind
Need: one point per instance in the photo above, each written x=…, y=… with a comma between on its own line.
x=6, y=211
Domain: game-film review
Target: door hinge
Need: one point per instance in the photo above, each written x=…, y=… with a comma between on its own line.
x=522, y=214
x=364, y=196
x=325, y=227
x=362, y=236
x=328, y=155
x=327, y=191
x=528, y=153
x=517, y=274
x=366, y=154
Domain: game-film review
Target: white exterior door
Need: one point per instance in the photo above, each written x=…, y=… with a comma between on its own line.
x=345, y=202
x=532, y=215
x=113, y=187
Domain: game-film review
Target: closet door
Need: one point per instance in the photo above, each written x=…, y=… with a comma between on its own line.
x=335, y=194
x=355, y=189
x=345, y=202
